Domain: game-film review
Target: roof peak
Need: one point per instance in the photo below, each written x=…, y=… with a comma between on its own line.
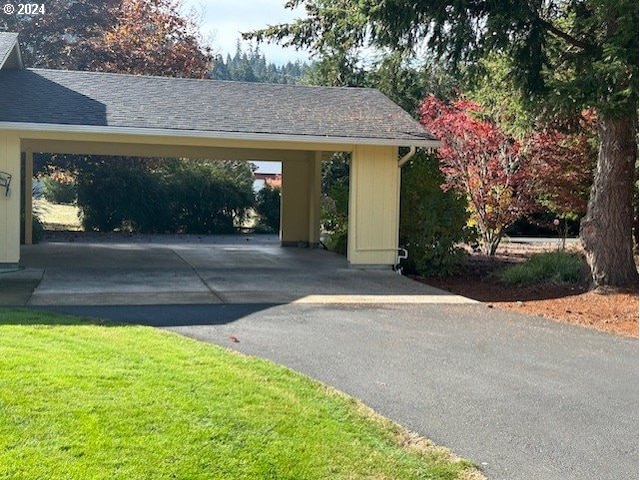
x=10, y=57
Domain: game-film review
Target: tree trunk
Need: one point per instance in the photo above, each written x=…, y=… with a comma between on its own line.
x=607, y=229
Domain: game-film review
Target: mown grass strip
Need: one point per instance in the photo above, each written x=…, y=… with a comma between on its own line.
x=81, y=400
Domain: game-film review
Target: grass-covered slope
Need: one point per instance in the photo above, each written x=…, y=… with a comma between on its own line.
x=86, y=401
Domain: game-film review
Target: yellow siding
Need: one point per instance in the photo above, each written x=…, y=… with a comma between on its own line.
x=374, y=200
x=10, y=206
x=300, y=217
x=294, y=217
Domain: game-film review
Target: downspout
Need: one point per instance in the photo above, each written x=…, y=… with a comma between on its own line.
x=402, y=252
x=407, y=157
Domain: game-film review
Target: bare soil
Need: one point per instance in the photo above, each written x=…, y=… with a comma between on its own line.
x=611, y=311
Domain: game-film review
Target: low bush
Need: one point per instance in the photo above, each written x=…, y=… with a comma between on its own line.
x=335, y=216
x=208, y=197
x=120, y=194
x=432, y=221
x=548, y=267
x=60, y=189
x=268, y=209
x=150, y=196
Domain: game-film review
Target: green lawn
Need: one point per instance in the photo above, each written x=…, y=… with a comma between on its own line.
x=85, y=401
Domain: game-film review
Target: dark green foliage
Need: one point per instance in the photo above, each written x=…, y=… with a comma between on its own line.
x=122, y=193
x=432, y=221
x=169, y=196
x=268, y=209
x=407, y=83
x=252, y=66
x=208, y=197
x=335, y=201
x=335, y=171
x=37, y=228
x=335, y=216
x=549, y=267
x=593, y=44
x=59, y=190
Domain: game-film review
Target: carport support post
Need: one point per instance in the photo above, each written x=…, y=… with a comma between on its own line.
x=315, y=177
x=10, y=204
x=28, y=197
x=374, y=206
x=300, y=203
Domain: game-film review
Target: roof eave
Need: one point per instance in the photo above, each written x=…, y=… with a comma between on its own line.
x=160, y=132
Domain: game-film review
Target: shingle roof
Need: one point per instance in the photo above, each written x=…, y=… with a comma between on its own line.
x=7, y=42
x=113, y=100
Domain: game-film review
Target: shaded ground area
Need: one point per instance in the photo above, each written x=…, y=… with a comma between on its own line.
x=613, y=312
x=121, y=269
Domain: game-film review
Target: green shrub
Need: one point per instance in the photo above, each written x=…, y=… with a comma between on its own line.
x=553, y=267
x=37, y=227
x=335, y=216
x=268, y=209
x=432, y=221
x=118, y=193
x=208, y=197
x=164, y=196
x=60, y=189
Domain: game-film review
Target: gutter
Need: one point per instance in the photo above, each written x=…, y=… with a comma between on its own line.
x=408, y=156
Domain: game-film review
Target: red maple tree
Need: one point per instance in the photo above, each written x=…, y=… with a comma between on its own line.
x=483, y=163
x=563, y=161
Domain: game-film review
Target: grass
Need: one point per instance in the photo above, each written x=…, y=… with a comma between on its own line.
x=556, y=267
x=56, y=216
x=89, y=401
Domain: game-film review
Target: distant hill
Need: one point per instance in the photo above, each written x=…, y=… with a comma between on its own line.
x=252, y=66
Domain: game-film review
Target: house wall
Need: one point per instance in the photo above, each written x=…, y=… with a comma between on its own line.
x=300, y=207
x=10, y=205
x=374, y=206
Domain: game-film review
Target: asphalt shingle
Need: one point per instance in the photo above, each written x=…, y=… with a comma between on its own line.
x=7, y=42
x=113, y=100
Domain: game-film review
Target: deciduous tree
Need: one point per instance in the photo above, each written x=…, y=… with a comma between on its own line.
x=483, y=163
x=149, y=37
x=562, y=162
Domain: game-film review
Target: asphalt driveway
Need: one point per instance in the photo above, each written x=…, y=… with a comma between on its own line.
x=523, y=397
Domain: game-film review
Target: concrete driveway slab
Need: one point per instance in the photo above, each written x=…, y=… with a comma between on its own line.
x=238, y=270
x=17, y=286
x=104, y=274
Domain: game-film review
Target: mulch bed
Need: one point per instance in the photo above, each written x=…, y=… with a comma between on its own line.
x=612, y=311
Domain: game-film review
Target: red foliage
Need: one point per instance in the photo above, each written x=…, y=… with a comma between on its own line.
x=483, y=163
x=563, y=163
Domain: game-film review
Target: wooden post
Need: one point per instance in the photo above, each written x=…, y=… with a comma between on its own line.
x=28, y=198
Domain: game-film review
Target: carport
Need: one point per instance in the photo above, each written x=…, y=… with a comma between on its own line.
x=72, y=112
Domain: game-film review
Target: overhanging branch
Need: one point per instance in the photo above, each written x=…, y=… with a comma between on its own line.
x=563, y=35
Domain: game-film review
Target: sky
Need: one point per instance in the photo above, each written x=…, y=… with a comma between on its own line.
x=223, y=20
